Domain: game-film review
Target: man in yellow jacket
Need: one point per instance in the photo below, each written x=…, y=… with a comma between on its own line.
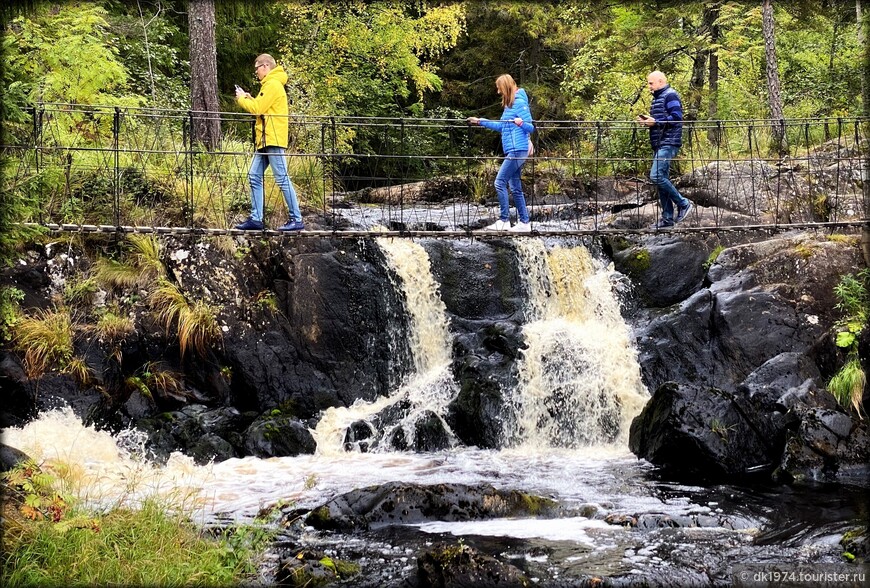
x=272, y=131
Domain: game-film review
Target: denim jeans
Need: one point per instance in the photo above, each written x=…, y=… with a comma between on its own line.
x=668, y=194
x=263, y=158
x=509, y=176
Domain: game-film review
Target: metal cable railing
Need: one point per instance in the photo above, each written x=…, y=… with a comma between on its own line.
x=119, y=169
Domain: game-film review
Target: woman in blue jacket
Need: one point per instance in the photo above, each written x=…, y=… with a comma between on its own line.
x=515, y=127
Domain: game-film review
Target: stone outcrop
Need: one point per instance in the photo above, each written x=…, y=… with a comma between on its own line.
x=396, y=503
x=738, y=367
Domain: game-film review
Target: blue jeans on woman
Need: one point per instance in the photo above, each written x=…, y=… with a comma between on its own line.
x=509, y=177
x=669, y=196
x=263, y=158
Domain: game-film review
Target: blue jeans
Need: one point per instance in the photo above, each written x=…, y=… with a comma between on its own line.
x=509, y=176
x=263, y=158
x=668, y=194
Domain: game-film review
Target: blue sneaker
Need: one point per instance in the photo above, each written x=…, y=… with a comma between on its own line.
x=251, y=225
x=663, y=224
x=682, y=211
x=292, y=225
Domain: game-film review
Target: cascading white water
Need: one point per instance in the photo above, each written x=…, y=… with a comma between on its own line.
x=430, y=388
x=579, y=366
x=579, y=380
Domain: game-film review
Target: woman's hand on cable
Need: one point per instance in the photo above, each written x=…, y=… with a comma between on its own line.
x=473, y=120
x=518, y=121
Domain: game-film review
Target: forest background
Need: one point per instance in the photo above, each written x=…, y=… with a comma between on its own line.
x=577, y=60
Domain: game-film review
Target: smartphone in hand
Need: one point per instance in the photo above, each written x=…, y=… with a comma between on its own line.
x=238, y=88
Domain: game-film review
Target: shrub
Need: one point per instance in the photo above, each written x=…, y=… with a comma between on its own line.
x=195, y=322
x=46, y=341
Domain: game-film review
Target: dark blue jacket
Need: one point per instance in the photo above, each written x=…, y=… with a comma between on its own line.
x=667, y=109
x=514, y=139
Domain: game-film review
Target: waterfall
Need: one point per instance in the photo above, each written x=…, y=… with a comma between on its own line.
x=430, y=387
x=579, y=381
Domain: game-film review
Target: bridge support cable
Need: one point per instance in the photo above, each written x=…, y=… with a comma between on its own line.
x=139, y=169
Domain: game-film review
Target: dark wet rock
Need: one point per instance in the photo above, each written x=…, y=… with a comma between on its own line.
x=764, y=299
x=827, y=445
x=679, y=346
x=11, y=457
x=700, y=430
x=139, y=405
x=332, y=333
x=206, y=434
x=778, y=376
x=476, y=280
x=430, y=433
x=273, y=436
x=461, y=566
x=399, y=503
x=484, y=368
x=654, y=520
x=665, y=270
x=359, y=436
x=19, y=398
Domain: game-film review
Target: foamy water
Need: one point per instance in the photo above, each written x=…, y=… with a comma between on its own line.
x=108, y=473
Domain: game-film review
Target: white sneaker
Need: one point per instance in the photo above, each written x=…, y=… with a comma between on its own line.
x=498, y=225
x=521, y=227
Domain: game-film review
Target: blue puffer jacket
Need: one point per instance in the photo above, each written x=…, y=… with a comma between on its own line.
x=667, y=109
x=514, y=139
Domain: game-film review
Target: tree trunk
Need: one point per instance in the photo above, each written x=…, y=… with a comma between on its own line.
x=203, y=74
x=773, y=93
x=863, y=36
x=696, y=83
x=711, y=15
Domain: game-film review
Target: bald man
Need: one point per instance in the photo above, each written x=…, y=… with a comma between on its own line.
x=665, y=136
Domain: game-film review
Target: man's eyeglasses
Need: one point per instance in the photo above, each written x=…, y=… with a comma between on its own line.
x=258, y=66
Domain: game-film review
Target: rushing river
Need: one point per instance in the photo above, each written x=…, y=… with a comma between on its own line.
x=578, y=387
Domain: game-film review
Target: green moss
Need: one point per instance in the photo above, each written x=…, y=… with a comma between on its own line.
x=342, y=569
x=638, y=261
x=620, y=243
x=320, y=516
x=805, y=250
x=844, y=239
x=536, y=505
x=714, y=255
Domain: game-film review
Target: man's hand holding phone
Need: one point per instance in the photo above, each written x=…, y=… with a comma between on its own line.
x=646, y=120
x=240, y=92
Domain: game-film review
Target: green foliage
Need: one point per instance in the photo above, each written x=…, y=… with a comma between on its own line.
x=141, y=266
x=64, y=54
x=9, y=311
x=45, y=339
x=19, y=201
x=49, y=540
x=154, y=377
x=195, y=323
x=714, y=255
x=853, y=296
x=853, y=300
x=848, y=384
x=365, y=59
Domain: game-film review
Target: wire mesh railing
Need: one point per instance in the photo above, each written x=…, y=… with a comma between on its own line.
x=119, y=168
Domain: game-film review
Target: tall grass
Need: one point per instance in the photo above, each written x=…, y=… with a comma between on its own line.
x=847, y=385
x=51, y=540
x=195, y=322
x=46, y=339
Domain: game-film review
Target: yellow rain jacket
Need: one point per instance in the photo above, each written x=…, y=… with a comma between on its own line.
x=270, y=106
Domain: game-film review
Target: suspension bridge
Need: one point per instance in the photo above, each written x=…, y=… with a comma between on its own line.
x=111, y=169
